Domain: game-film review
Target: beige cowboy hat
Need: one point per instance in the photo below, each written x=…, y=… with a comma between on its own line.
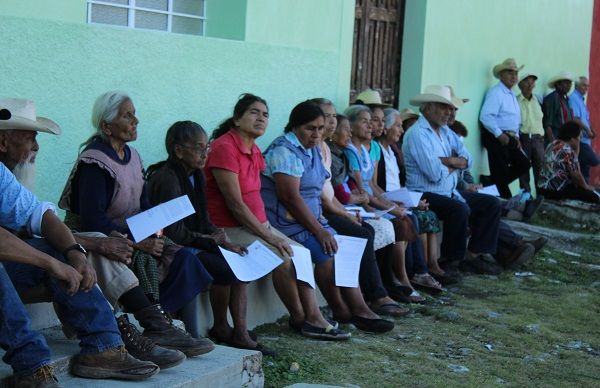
x=23, y=117
x=408, y=113
x=558, y=77
x=456, y=101
x=434, y=93
x=371, y=97
x=527, y=75
x=508, y=64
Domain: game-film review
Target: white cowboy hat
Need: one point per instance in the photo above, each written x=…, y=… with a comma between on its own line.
x=527, y=75
x=508, y=64
x=408, y=113
x=433, y=93
x=558, y=77
x=23, y=117
x=371, y=97
x=456, y=101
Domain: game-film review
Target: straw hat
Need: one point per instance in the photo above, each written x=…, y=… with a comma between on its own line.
x=457, y=102
x=23, y=117
x=558, y=77
x=527, y=75
x=408, y=113
x=508, y=64
x=371, y=97
x=433, y=93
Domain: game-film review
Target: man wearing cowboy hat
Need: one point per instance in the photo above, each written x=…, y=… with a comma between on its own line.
x=500, y=117
x=531, y=132
x=556, y=104
x=587, y=156
x=82, y=305
x=434, y=157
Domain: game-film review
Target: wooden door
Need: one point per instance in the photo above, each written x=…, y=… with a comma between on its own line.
x=377, y=48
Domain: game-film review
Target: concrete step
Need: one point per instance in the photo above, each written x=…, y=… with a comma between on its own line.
x=223, y=367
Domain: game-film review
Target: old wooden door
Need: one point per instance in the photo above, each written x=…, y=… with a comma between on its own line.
x=377, y=48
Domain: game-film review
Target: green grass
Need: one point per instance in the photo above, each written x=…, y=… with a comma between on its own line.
x=516, y=331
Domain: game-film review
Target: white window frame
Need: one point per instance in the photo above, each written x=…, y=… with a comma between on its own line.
x=131, y=8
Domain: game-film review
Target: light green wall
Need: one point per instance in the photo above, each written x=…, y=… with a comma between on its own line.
x=74, y=11
x=65, y=66
x=458, y=42
x=226, y=19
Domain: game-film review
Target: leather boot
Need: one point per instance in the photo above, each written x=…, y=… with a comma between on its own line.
x=160, y=329
x=144, y=348
x=43, y=377
x=114, y=363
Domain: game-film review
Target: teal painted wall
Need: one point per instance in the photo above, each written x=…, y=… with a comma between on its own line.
x=74, y=11
x=65, y=66
x=226, y=19
x=458, y=42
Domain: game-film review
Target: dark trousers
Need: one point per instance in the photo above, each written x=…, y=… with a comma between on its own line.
x=507, y=163
x=484, y=220
x=587, y=159
x=455, y=215
x=571, y=192
x=415, y=257
x=369, y=276
x=533, y=147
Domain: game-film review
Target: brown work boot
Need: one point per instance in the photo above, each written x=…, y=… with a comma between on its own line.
x=160, y=329
x=112, y=364
x=43, y=377
x=144, y=348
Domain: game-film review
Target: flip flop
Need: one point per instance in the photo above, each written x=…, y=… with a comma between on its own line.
x=328, y=333
x=377, y=325
x=427, y=282
x=390, y=309
x=415, y=297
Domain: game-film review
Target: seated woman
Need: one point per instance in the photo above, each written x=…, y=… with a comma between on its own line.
x=181, y=174
x=561, y=174
x=350, y=224
x=105, y=187
x=291, y=189
x=388, y=179
x=363, y=169
x=232, y=175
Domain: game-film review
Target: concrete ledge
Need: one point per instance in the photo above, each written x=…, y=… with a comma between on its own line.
x=571, y=211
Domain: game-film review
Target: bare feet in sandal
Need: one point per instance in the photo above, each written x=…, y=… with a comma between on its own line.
x=427, y=281
x=387, y=306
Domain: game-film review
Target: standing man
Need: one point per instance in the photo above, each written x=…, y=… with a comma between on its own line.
x=587, y=157
x=501, y=118
x=556, y=104
x=531, y=132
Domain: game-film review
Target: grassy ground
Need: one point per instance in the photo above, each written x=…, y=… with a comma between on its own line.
x=538, y=329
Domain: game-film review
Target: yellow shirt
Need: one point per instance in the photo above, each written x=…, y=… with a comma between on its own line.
x=531, y=116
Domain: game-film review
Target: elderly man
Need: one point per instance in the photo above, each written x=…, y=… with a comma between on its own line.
x=434, y=157
x=531, y=130
x=109, y=257
x=500, y=116
x=587, y=157
x=82, y=304
x=556, y=108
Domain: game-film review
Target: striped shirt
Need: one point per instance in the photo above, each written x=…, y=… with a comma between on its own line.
x=422, y=149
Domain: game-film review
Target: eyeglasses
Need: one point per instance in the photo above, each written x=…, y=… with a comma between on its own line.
x=202, y=150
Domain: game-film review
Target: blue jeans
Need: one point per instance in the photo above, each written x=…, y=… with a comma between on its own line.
x=26, y=350
x=88, y=313
x=587, y=160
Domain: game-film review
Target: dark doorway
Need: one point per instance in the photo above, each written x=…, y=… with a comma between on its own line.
x=378, y=26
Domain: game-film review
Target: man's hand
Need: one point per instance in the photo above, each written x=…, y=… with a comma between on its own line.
x=69, y=277
x=474, y=188
x=503, y=139
x=78, y=261
x=151, y=245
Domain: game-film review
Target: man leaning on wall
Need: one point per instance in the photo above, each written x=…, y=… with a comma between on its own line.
x=587, y=157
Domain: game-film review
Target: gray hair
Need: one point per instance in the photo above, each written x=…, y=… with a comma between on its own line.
x=579, y=80
x=389, y=118
x=353, y=111
x=180, y=133
x=106, y=109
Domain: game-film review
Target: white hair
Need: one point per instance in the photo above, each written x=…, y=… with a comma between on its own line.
x=390, y=115
x=579, y=80
x=106, y=109
x=353, y=111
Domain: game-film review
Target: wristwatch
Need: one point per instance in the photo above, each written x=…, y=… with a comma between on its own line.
x=74, y=247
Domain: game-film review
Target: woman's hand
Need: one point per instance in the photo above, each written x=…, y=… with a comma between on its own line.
x=116, y=247
x=281, y=244
x=234, y=248
x=151, y=245
x=219, y=236
x=399, y=212
x=359, y=198
x=328, y=242
x=423, y=205
x=354, y=216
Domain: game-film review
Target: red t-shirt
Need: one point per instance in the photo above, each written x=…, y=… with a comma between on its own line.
x=230, y=153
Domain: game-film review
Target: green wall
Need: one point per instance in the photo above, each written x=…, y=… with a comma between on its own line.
x=458, y=42
x=65, y=66
x=74, y=11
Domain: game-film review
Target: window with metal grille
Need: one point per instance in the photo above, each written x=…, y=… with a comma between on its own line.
x=179, y=16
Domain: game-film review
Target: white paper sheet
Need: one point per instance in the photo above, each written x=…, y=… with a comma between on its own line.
x=154, y=219
x=408, y=198
x=361, y=212
x=347, y=260
x=489, y=190
x=255, y=264
x=303, y=264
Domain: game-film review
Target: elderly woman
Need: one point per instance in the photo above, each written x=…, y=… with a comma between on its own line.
x=388, y=179
x=561, y=176
x=106, y=186
x=347, y=223
x=291, y=188
x=181, y=174
x=233, y=185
